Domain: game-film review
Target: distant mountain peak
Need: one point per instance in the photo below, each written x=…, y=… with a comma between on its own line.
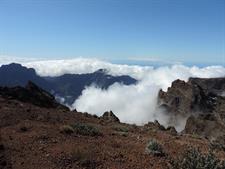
x=16, y=66
x=102, y=71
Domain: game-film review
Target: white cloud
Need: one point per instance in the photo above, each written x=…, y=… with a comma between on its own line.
x=153, y=60
x=4, y=59
x=133, y=104
x=138, y=103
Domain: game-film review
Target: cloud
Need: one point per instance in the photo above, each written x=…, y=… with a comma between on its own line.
x=4, y=59
x=134, y=103
x=156, y=60
x=138, y=103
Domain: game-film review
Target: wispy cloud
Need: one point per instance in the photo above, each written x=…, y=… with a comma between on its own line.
x=4, y=59
x=153, y=60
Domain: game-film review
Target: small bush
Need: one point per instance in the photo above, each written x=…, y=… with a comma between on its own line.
x=120, y=128
x=84, y=158
x=194, y=159
x=67, y=129
x=85, y=129
x=214, y=145
x=196, y=136
x=124, y=134
x=154, y=148
x=79, y=155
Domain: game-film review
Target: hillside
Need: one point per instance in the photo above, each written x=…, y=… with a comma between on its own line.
x=36, y=136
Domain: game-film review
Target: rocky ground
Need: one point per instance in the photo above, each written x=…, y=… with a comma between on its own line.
x=33, y=136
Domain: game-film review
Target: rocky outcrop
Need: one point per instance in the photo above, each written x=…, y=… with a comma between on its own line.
x=110, y=117
x=154, y=125
x=201, y=101
x=31, y=93
x=184, y=98
x=208, y=128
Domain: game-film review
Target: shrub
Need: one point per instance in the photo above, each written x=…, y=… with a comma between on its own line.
x=85, y=129
x=154, y=148
x=67, y=129
x=79, y=155
x=85, y=158
x=194, y=159
x=120, y=128
x=215, y=145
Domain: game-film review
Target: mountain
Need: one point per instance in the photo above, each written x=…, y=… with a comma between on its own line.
x=67, y=86
x=202, y=102
x=70, y=86
x=17, y=75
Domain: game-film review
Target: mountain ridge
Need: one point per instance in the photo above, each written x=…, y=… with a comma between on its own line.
x=67, y=86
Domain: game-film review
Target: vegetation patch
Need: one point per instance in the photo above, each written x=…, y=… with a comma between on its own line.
x=194, y=159
x=214, y=145
x=85, y=129
x=120, y=128
x=67, y=129
x=154, y=148
x=84, y=158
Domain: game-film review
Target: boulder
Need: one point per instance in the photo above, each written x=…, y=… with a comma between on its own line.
x=171, y=130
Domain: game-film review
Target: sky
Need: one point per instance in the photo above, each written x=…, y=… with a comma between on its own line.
x=189, y=31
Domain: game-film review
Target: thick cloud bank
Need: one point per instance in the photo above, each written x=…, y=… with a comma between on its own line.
x=134, y=103
x=138, y=103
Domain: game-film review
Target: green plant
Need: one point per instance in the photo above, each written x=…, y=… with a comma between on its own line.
x=215, y=145
x=196, y=136
x=79, y=155
x=85, y=129
x=154, y=148
x=120, y=128
x=194, y=159
x=84, y=158
x=67, y=129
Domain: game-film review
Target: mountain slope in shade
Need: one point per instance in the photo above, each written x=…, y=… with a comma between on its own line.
x=68, y=86
x=17, y=75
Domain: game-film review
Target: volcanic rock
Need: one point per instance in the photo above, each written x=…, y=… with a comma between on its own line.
x=110, y=117
x=201, y=101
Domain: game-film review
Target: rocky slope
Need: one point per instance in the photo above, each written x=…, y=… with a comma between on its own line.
x=31, y=93
x=35, y=136
x=201, y=102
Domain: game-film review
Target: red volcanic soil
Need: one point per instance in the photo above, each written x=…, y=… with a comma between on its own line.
x=34, y=137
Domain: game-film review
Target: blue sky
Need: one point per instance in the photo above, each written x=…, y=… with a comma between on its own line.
x=167, y=30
